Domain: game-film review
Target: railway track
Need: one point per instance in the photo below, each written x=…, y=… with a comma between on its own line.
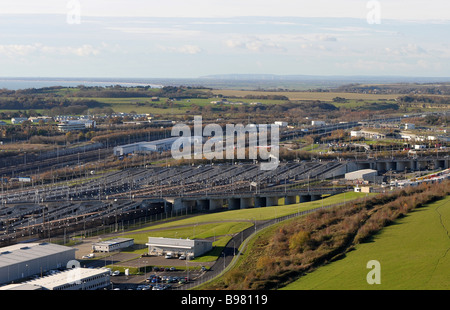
x=43, y=165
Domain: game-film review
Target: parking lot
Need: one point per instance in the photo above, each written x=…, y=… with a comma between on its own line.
x=159, y=274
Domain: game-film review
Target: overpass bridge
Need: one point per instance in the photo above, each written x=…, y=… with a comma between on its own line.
x=383, y=165
x=245, y=200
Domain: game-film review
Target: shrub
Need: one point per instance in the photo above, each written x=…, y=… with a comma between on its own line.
x=298, y=241
x=265, y=262
x=233, y=277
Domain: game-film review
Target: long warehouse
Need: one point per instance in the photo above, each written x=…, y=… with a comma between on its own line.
x=190, y=248
x=24, y=260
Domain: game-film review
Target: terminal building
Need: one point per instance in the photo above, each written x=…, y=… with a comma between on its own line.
x=152, y=146
x=112, y=245
x=21, y=261
x=67, y=280
x=188, y=247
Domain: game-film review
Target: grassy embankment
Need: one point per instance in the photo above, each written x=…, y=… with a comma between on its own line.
x=284, y=253
x=413, y=254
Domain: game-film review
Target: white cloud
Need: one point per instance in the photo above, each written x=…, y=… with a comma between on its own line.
x=81, y=51
x=406, y=50
x=14, y=50
x=326, y=37
x=157, y=31
x=185, y=49
x=255, y=44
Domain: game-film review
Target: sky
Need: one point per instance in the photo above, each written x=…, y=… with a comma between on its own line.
x=194, y=38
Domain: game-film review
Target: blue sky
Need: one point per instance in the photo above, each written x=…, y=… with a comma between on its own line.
x=192, y=38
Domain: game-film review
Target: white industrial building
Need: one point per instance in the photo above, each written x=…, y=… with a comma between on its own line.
x=37, y=119
x=112, y=245
x=188, y=247
x=71, y=125
x=18, y=120
x=367, y=134
x=152, y=146
x=281, y=124
x=318, y=123
x=20, y=261
x=364, y=174
x=69, y=279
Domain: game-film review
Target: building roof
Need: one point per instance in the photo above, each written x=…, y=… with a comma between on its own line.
x=113, y=241
x=174, y=242
x=67, y=276
x=20, y=287
x=161, y=141
x=358, y=174
x=28, y=251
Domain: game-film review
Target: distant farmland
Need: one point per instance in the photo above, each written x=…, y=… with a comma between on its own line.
x=299, y=95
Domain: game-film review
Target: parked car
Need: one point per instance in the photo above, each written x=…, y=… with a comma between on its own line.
x=115, y=273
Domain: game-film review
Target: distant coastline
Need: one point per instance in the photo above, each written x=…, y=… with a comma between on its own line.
x=25, y=83
x=225, y=81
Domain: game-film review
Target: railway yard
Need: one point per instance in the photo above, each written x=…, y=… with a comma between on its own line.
x=125, y=191
x=81, y=192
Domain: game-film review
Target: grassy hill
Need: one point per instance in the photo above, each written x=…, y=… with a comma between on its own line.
x=414, y=254
x=296, y=249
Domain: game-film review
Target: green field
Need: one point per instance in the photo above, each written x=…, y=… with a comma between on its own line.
x=414, y=254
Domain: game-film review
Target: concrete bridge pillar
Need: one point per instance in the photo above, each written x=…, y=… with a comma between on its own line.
x=289, y=200
x=177, y=204
x=168, y=207
x=215, y=204
x=260, y=202
x=414, y=165
x=271, y=201
x=246, y=203
x=180, y=204
x=234, y=203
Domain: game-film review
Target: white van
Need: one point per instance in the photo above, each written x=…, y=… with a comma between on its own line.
x=169, y=255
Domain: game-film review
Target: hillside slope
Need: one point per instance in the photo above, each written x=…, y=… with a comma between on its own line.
x=414, y=254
